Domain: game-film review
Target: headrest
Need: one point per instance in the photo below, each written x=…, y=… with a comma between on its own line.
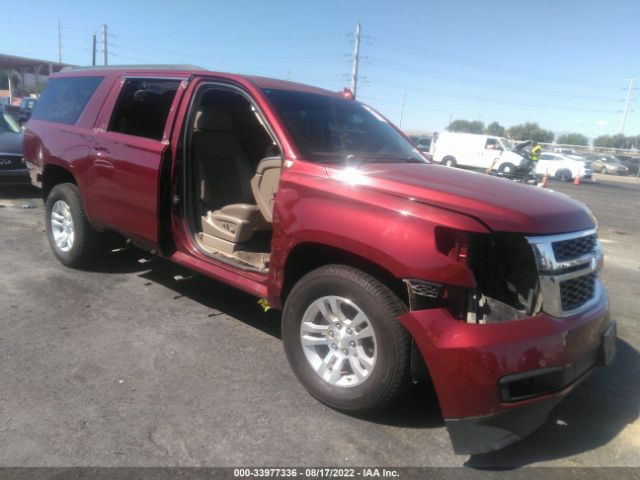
x=213, y=120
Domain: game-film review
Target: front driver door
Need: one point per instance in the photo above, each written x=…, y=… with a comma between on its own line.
x=491, y=154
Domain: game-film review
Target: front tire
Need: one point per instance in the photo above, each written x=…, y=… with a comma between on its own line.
x=449, y=161
x=74, y=243
x=343, y=339
x=507, y=168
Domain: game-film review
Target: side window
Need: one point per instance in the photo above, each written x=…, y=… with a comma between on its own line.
x=63, y=99
x=143, y=107
x=492, y=144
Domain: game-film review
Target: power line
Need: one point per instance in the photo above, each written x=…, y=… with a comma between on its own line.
x=448, y=94
x=398, y=66
x=455, y=59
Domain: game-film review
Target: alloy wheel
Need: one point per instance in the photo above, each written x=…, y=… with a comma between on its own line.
x=62, y=226
x=338, y=341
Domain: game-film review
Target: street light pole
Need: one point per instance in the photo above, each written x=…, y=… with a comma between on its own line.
x=104, y=43
x=59, y=43
x=356, y=60
x=626, y=104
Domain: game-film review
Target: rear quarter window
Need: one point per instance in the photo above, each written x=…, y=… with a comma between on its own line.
x=63, y=99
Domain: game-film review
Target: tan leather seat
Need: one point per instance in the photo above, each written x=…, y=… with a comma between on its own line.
x=265, y=185
x=224, y=175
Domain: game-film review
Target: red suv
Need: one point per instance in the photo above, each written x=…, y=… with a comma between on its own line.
x=387, y=268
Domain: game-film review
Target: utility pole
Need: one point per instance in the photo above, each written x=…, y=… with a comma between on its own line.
x=449, y=124
x=356, y=59
x=287, y=74
x=93, y=51
x=59, y=43
x=404, y=98
x=626, y=103
x=104, y=42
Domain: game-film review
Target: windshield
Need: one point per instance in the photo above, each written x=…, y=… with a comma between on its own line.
x=508, y=146
x=336, y=130
x=8, y=124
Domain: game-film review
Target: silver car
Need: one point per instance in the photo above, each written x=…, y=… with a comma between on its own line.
x=607, y=164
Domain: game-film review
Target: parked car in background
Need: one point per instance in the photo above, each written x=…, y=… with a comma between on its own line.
x=563, y=167
x=607, y=164
x=12, y=167
x=632, y=163
x=475, y=151
x=564, y=151
x=26, y=107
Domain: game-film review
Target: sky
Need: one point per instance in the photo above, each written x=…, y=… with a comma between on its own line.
x=563, y=64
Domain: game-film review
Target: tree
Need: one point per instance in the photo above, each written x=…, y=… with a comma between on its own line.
x=494, y=128
x=615, y=141
x=573, y=139
x=531, y=131
x=603, y=141
x=466, y=126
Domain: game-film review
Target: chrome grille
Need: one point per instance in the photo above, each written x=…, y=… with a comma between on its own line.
x=568, y=267
x=574, y=248
x=577, y=291
x=424, y=288
x=11, y=162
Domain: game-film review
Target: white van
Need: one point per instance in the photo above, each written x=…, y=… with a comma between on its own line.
x=477, y=151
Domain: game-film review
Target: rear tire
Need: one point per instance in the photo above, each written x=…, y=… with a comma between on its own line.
x=449, y=161
x=564, y=175
x=343, y=340
x=74, y=243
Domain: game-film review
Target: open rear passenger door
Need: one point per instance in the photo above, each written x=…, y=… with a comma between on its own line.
x=130, y=152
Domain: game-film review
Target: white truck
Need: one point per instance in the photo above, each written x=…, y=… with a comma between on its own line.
x=475, y=151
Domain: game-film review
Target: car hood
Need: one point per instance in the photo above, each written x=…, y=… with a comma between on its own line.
x=500, y=204
x=11, y=142
x=521, y=146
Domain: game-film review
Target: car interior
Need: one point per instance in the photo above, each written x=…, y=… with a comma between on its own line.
x=233, y=171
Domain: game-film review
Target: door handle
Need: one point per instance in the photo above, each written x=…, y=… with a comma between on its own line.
x=102, y=163
x=100, y=148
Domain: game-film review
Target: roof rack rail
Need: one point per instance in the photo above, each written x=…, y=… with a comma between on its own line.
x=132, y=67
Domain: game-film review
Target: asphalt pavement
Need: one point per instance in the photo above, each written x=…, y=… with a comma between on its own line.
x=140, y=363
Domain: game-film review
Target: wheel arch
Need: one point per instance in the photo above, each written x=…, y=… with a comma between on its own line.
x=563, y=172
x=306, y=257
x=53, y=175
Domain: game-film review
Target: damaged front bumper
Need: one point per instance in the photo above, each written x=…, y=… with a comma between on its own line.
x=496, y=383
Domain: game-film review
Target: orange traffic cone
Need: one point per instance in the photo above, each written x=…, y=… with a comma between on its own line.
x=576, y=181
x=545, y=179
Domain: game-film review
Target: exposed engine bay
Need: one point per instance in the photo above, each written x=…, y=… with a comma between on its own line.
x=505, y=271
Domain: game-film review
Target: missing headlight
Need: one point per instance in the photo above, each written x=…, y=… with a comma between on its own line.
x=506, y=277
